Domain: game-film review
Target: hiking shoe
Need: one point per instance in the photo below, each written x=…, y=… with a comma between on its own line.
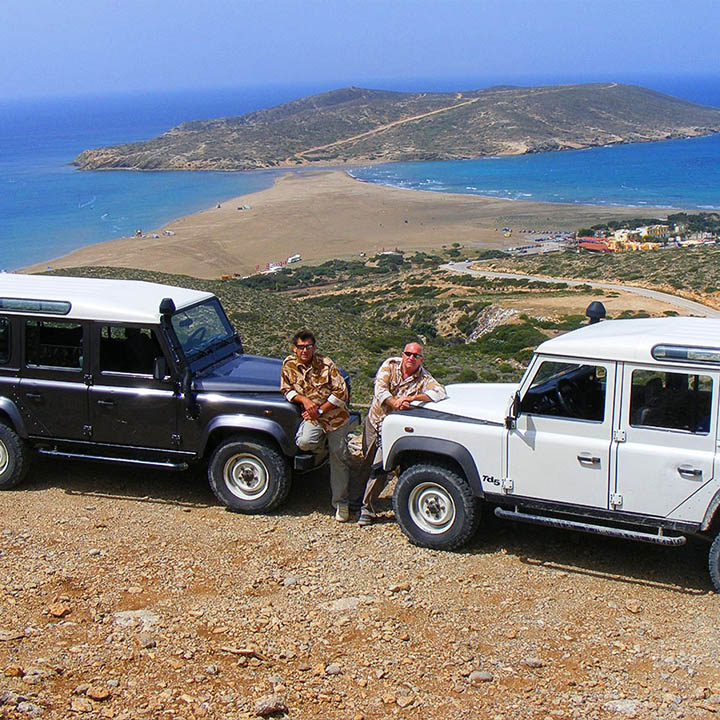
x=366, y=518
x=342, y=512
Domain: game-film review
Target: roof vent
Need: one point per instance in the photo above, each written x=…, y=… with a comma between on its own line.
x=595, y=311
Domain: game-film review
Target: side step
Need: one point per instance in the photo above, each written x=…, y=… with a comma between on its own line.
x=587, y=527
x=165, y=465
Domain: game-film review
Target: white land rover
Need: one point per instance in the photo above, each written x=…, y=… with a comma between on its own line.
x=613, y=429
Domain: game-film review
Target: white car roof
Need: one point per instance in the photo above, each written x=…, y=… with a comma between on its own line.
x=633, y=340
x=131, y=301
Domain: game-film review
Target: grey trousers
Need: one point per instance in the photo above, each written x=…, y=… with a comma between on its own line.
x=310, y=437
x=376, y=477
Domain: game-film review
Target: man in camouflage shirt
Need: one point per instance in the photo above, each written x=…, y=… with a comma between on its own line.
x=312, y=380
x=399, y=382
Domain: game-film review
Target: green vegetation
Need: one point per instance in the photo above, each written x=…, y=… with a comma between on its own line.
x=697, y=222
x=691, y=271
x=364, y=311
x=471, y=123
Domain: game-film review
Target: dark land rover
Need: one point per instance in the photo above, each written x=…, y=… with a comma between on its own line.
x=145, y=374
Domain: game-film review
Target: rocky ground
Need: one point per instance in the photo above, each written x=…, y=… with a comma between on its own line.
x=132, y=594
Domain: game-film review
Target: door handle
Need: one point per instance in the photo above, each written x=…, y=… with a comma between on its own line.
x=588, y=459
x=33, y=396
x=106, y=403
x=690, y=472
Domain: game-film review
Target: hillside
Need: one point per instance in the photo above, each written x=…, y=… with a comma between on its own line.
x=363, y=311
x=357, y=125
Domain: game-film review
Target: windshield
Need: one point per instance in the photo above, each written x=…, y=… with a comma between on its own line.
x=202, y=327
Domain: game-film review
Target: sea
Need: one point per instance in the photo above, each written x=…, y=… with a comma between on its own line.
x=48, y=207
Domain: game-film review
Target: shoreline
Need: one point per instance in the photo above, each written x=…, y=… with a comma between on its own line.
x=325, y=213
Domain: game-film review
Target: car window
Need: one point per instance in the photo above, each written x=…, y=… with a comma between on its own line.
x=128, y=350
x=671, y=401
x=4, y=340
x=53, y=344
x=567, y=390
x=201, y=326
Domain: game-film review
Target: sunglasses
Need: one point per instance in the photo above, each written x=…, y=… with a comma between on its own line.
x=310, y=346
x=417, y=356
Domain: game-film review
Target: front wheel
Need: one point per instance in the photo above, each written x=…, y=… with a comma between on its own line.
x=435, y=507
x=714, y=562
x=13, y=458
x=248, y=476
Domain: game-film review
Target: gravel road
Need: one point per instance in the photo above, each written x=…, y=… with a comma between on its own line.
x=132, y=594
x=689, y=306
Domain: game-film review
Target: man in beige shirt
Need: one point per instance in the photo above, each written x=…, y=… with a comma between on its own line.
x=399, y=382
x=313, y=381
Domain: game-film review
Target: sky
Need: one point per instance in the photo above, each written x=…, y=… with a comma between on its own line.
x=76, y=47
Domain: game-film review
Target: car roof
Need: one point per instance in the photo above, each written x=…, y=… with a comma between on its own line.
x=130, y=301
x=633, y=340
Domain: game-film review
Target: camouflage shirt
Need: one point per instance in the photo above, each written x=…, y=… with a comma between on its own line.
x=321, y=381
x=389, y=382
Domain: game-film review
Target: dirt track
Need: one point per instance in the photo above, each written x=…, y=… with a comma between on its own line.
x=132, y=594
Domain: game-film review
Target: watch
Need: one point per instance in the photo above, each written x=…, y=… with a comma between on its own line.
x=320, y=410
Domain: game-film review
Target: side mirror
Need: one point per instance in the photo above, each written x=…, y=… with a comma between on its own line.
x=513, y=412
x=160, y=368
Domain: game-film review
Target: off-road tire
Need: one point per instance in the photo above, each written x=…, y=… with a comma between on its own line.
x=249, y=476
x=714, y=562
x=14, y=458
x=435, y=507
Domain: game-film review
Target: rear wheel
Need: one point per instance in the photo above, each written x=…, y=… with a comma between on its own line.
x=13, y=458
x=248, y=476
x=714, y=562
x=435, y=507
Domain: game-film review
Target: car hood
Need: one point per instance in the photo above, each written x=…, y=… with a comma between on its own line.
x=241, y=373
x=480, y=401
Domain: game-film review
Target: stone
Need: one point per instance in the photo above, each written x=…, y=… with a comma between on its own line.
x=98, y=692
x=333, y=669
x=480, y=676
x=59, y=610
x=533, y=662
x=8, y=697
x=28, y=708
x=8, y=635
x=131, y=618
x=347, y=603
x=400, y=587
x=81, y=705
x=623, y=707
x=14, y=671
x=145, y=640
x=405, y=700
x=290, y=580
x=633, y=606
x=270, y=704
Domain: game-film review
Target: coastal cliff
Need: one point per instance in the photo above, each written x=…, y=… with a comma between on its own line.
x=354, y=125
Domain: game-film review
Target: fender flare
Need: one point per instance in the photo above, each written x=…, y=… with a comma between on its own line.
x=253, y=424
x=8, y=407
x=436, y=446
x=712, y=509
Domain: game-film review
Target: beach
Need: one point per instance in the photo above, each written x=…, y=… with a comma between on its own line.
x=325, y=214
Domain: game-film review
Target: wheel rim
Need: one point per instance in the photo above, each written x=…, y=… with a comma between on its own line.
x=4, y=459
x=431, y=508
x=246, y=476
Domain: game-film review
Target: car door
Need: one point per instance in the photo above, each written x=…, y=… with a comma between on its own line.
x=53, y=389
x=127, y=405
x=666, y=452
x=559, y=449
